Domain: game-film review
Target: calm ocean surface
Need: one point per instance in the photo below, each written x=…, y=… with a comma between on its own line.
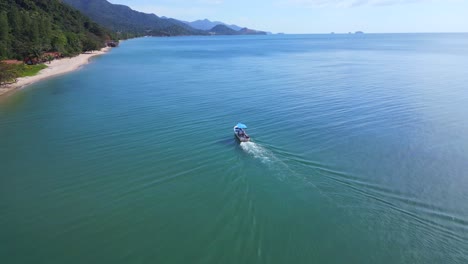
x=359, y=153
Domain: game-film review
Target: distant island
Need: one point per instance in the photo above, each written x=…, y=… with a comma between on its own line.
x=357, y=33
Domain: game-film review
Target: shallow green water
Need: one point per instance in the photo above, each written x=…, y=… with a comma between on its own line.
x=359, y=153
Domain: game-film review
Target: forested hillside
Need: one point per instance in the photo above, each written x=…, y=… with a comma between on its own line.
x=124, y=20
x=28, y=28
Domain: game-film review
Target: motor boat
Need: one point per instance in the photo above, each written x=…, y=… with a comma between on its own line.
x=239, y=131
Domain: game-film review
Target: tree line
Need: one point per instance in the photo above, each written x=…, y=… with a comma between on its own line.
x=29, y=28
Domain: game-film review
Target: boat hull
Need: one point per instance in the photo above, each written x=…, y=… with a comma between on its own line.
x=241, y=135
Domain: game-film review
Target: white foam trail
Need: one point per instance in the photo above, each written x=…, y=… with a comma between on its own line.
x=278, y=167
x=257, y=151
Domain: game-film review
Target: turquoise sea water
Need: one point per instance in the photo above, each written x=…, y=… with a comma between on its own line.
x=359, y=153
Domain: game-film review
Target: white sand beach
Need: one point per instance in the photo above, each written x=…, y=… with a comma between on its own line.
x=56, y=67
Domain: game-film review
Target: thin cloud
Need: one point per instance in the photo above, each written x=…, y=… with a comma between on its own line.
x=211, y=2
x=351, y=3
x=189, y=13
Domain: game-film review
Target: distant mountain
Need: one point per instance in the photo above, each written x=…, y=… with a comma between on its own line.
x=225, y=30
x=206, y=24
x=131, y=23
x=121, y=18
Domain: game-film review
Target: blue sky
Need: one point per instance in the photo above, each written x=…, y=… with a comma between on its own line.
x=318, y=16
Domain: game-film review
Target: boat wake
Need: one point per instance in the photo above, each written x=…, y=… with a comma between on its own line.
x=275, y=164
x=279, y=167
x=258, y=151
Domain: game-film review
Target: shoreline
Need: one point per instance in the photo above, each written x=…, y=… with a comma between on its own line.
x=55, y=68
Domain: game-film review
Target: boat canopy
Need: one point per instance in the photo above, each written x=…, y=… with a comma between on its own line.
x=240, y=125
